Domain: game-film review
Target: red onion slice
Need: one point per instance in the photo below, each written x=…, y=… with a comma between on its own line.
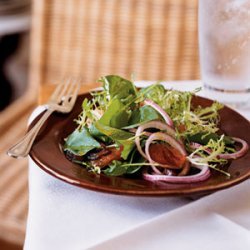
x=185, y=169
x=237, y=154
x=201, y=176
x=153, y=124
x=170, y=140
x=161, y=111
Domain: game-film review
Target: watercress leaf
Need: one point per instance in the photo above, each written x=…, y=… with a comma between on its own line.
x=118, y=168
x=120, y=119
x=80, y=142
x=142, y=115
x=115, y=169
x=128, y=146
x=148, y=113
x=98, y=135
x=116, y=114
x=114, y=133
x=118, y=86
x=155, y=92
x=135, y=117
x=119, y=136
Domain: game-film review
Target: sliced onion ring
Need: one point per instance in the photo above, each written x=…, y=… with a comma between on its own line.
x=201, y=176
x=237, y=154
x=185, y=169
x=161, y=111
x=153, y=124
x=170, y=140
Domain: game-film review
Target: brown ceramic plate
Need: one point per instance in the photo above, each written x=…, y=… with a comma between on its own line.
x=48, y=154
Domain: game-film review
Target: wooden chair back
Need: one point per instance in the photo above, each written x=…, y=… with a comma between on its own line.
x=145, y=39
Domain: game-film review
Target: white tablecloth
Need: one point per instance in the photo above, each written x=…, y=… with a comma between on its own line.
x=62, y=216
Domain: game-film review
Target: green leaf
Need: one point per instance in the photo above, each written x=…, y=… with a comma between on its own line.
x=116, y=114
x=204, y=138
x=128, y=146
x=154, y=92
x=143, y=115
x=94, y=132
x=115, y=169
x=119, y=136
x=80, y=142
x=114, y=133
x=135, y=158
x=118, y=86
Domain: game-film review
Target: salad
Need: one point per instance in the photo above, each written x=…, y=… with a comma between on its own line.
x=152, y=133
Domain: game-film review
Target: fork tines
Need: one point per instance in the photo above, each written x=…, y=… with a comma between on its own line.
x=66, y=90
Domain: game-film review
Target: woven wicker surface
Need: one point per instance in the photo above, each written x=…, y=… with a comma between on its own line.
x=149, y=39
x=13, y=173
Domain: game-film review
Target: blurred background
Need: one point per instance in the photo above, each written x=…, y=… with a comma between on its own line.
x=41, y=41
x=14, y=49
x=15, y=23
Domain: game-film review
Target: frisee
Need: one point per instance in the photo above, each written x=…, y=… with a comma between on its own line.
x=179, y=107
x=209, y=154
x=89, y=167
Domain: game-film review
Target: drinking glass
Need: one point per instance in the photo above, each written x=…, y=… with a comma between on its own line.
x=224, y=44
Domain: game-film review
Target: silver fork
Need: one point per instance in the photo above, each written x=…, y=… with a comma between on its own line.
x=62, y=100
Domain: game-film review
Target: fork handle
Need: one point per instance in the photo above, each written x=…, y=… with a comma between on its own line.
x=22, y=148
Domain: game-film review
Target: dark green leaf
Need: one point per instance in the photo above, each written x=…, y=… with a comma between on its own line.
x=119, y=136
x=80, y=142
x=128, y=146
x=115, y=169
x=134, y=157
x=153, y=92
x=114, y=133
x=116, y=114
x=98, y=135
x=118, y=86
x=143, y=115
x=118, y=168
